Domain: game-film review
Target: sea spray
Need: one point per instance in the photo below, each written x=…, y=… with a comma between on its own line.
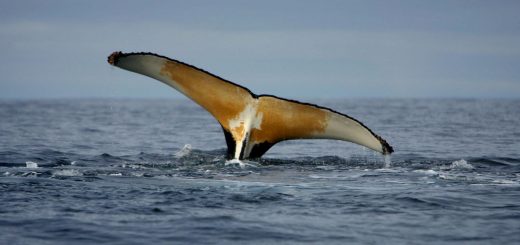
x=461, y=164
x=186, y=150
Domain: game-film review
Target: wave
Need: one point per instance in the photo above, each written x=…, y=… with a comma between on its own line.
x=193, y=163
x=189, y=156
x=496, y=161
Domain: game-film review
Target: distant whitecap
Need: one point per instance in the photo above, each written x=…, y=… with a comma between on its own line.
x=67, y=172
x=30, y=164
x=427, y=172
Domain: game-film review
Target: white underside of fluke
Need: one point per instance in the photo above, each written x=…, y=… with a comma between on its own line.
x=241, y=125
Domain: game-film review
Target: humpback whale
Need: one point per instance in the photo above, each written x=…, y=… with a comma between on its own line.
x=251, y=123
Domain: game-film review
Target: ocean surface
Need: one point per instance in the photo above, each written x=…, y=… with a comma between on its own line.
x=108, y=171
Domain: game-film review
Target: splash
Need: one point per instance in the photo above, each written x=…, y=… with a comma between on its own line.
x=67, y=172
x=241, y=163
x=461, y=164
x=186, y=150
x=30, y=164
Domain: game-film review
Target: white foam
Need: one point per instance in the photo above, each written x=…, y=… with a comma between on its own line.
x=461, y=164
x=67, y=172
x=312, y=176
x=31, y=165
x=426, y=172
x=241, y=163
x=315, y=176
x=505, y=182
x=116, y=174
x=233, y=162
x=385, y=170
x=138, y=174
x=186, y=150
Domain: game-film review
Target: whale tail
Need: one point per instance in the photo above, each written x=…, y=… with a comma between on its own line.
x=251, y=123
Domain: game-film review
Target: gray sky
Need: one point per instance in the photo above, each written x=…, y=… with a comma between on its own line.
x=295, y=49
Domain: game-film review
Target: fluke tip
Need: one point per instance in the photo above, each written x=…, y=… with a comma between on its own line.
x=112, y=59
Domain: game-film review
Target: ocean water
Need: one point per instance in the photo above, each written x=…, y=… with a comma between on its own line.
x=153, y=172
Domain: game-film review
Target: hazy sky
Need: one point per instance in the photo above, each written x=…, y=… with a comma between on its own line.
x=295, y=49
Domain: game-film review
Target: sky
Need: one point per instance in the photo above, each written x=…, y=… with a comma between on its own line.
x=293, y=49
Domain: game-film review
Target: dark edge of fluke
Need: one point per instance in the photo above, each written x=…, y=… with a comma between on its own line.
x=114, y=58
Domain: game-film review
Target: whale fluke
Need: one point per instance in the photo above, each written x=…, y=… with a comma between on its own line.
x=252, y=123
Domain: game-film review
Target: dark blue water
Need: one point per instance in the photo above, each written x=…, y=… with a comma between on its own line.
x=153, y=171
